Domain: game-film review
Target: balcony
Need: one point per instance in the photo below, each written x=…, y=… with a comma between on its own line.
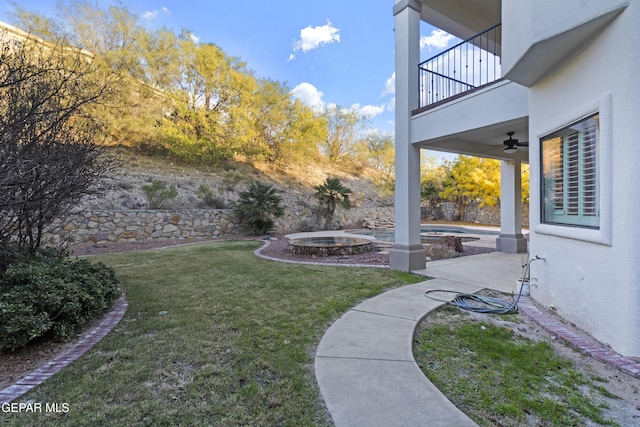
x=465, y=67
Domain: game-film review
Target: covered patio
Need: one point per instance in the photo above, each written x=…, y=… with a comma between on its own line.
x=431, y=115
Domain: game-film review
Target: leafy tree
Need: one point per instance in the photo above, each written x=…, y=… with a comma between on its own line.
x=342, y=133
x=191, y=100
x=432, y=178
x=258, y=205
x=332, y=193
x=306, y=132
x=525, y=184
x=36, y=24
x=472, y=179
x=117, y=45
x=49, y=152
x=286, y=130
x=209, y=120
x=378, y=151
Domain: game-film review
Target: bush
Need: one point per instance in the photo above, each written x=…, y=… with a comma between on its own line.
x=332, y=193
x=50, y=294
x=209, y=199
x=257, y=206
x=157, y=193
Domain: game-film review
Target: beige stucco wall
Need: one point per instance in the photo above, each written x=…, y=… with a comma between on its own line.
x=591, y=276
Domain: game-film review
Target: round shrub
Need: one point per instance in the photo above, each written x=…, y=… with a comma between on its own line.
x=50, y=294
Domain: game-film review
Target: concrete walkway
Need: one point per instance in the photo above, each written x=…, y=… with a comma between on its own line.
x=365, y=366
x=364, y=363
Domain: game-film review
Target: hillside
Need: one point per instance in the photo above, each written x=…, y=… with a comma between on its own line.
x=295, y=183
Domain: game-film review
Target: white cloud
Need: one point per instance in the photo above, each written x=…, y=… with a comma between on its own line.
x=309, y=95
x=194, y=38
x=313, y=37
x=390, y=89
x=151, y=14
x=391, y=105
x=368, y=111
x=438, y=39
x=390, y=86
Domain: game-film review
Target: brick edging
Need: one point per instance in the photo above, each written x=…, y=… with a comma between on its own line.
x=50, y=368
x=578, y=340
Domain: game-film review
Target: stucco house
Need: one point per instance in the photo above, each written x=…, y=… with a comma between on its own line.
x=562, y=78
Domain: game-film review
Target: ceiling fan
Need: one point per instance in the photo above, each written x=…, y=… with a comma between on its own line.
x=511, y=145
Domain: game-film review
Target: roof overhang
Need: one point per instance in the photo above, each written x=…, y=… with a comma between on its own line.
x=466, y=126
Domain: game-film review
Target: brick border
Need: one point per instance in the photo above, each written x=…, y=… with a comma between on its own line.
x=577, y=339
x=50, y=368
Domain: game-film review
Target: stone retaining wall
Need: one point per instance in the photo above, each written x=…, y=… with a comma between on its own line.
x=489, y=215
x=135, y=225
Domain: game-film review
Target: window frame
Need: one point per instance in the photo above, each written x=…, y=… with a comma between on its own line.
x=574, y=176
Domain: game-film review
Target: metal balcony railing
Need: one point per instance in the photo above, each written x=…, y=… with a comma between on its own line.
x=469, y=64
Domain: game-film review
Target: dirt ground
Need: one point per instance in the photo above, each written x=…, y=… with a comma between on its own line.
x=625, y=410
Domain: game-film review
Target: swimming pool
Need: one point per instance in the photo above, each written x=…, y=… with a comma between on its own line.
x=428, y=232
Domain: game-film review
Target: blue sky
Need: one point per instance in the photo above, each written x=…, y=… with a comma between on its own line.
x=327, y=52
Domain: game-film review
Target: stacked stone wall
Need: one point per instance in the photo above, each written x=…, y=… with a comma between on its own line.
x=489, y=215
x=135, y=225
x=93, y=227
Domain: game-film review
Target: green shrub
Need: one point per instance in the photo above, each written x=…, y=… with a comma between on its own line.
x=158, y=194
x=231, y=178
x=257, y=206
x=209, y=199
x=332, y=193
x=50, y=294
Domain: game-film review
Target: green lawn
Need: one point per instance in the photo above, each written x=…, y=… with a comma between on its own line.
x=498, y=377
x=213, y=336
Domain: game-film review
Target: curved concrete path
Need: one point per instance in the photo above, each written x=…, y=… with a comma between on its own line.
x=365, y=366
x=364, y=363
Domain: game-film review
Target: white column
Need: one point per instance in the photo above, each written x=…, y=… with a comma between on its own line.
x=511, y=239
x=407, y=253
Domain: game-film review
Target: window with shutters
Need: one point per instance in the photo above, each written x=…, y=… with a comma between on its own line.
x=570, y=175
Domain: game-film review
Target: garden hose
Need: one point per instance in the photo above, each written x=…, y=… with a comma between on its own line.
x=480, y=304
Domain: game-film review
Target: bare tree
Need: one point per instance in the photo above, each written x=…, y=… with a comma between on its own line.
x=49, y=152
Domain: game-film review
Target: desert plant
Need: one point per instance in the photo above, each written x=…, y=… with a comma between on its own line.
x=257, y=206
x=158, y=194
x=231, y=178
x=332, y=193
x=210, y=199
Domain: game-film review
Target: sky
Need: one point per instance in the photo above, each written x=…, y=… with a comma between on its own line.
x=328, y=52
